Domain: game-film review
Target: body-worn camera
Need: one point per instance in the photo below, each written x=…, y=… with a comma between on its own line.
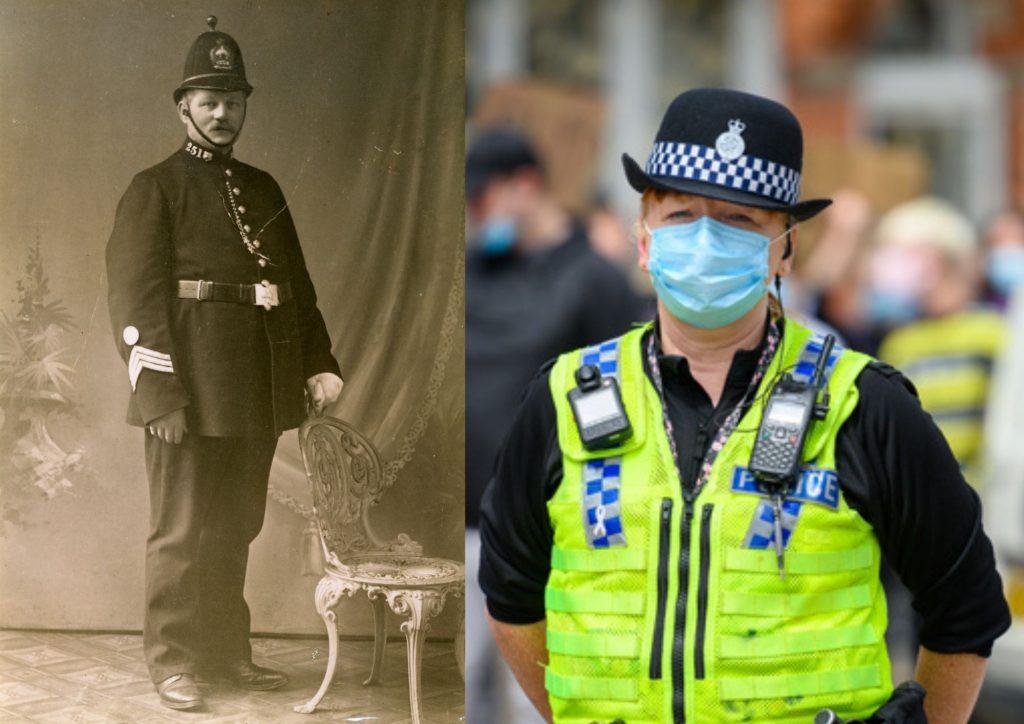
x=597, y=406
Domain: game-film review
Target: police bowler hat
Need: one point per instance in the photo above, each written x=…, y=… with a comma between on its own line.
x=728, y=145
x=214, y=63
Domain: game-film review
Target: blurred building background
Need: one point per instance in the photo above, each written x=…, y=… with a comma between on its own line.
x=898, y=99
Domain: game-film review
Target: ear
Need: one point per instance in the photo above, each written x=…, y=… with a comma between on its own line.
x=183, y=111
x=643, y=245
x=786, y=263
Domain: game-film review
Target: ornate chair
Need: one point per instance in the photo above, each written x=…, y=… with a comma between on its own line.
x=346, y=478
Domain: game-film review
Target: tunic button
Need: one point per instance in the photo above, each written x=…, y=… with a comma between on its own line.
x=262, y=262
x=227, y=172
x=236, y=191
x=241, y=209
x=256, y=244
x=247, y=228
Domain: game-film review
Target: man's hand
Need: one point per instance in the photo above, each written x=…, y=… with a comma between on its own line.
x=170, y=427
x=323, y=389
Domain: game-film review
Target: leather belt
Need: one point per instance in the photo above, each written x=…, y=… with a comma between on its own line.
x=264, y=294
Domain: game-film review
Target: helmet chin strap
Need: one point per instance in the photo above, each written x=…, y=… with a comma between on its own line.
x=229, y=144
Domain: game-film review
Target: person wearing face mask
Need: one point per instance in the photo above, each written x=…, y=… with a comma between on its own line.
x=926, y=274
x=532, y=283
x=1004, y=256
x=651, y=575
x=215, y=316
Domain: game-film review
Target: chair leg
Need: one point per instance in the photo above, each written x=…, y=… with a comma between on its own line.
x=419, y=606
x=380, y=636
x=328, y=593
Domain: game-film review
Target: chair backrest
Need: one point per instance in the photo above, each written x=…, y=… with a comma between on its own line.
x=346, y=478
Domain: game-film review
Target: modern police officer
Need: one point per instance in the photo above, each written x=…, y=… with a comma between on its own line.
x=215, y=315
x=657, y=580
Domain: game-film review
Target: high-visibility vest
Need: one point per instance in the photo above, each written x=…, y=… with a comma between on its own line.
x=662, y=609
x=949, y=360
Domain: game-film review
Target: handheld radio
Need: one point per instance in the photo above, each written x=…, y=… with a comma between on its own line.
x=778, y=448
x=597, y=406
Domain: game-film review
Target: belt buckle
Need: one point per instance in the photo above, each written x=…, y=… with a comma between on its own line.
x=266, y=295
x=199, y=290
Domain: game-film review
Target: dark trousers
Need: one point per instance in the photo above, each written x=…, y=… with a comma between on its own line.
x=207, y=498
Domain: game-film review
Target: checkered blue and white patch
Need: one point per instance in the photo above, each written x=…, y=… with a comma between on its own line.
x=602, y=507
x=809, y=358
x=746, y=173
x=761, y=533
x=605, y=355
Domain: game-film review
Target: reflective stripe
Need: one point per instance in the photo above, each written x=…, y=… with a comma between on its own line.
x=772, y=604
x=763, y=561
x=795, y=642
x=792, y=685
x=605, y=559
x=598, y=643
x=591, y=688
x=556, y=599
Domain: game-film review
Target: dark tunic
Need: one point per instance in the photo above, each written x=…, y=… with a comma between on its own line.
x=239, y=370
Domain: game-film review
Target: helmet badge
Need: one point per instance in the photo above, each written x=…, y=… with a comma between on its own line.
x=730, y=144
x=221, y=56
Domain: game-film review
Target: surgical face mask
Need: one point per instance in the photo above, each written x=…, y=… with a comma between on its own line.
x=707, y=273
x=1005, y=268
x=497, y=236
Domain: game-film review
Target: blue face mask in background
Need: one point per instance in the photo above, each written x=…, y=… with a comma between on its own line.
x=707, y=273
x=497, y=236
x=1005, y=268
x=890, y=308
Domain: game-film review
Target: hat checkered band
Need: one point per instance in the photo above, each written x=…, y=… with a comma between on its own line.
x=746, y=173
x=605, y=356
x=602, y=508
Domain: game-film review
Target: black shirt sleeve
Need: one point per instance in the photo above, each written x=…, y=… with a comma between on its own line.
x=515, y=531
x=898, y=472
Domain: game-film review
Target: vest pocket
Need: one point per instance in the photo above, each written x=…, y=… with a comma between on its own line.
x=702, y=589
x=664, y=542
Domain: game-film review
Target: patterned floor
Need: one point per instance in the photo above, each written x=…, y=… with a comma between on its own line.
x=91, y=678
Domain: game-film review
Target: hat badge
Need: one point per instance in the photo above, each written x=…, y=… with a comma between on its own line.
x=221, y=56
x=730, y=144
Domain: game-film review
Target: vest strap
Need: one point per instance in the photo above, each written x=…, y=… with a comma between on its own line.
x=591, y=688
x=557, y=599
x=796, y=642
x=802, y=604
x=598, y=643
x=809, y=356
x=793, y=685
x=763, y=561
x=605, y=355
x=601, y=505
x=605, y=559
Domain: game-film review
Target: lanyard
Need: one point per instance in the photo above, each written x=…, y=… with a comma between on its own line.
x=771, y=343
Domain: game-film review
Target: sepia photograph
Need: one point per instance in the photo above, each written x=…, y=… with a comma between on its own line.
x=231, y=361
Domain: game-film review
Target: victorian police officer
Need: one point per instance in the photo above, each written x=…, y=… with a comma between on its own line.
x=669, y=569
x=215, y=315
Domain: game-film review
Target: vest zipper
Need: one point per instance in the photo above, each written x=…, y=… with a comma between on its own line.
x=679, y=639
x=702, y=589
x=664, y=543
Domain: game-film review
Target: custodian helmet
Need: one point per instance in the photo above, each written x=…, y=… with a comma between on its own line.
x=214, y=63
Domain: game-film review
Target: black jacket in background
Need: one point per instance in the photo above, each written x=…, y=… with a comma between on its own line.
x=522, y=310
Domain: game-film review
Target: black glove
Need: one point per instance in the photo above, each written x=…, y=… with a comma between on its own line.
x=905, y=706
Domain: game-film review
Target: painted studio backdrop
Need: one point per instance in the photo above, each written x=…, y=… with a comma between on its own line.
x=357, y=112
